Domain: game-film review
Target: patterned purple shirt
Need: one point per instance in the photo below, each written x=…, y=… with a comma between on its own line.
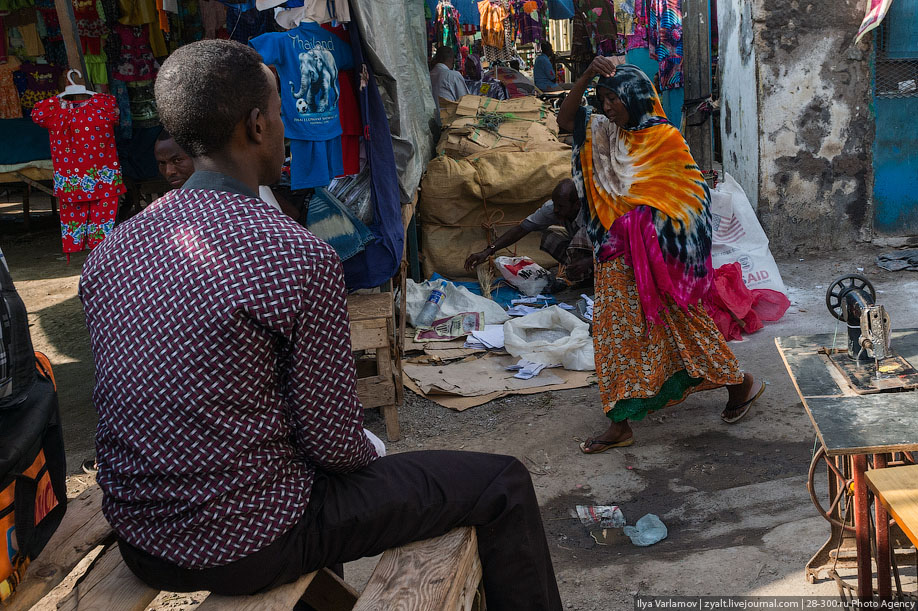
x=224, y=374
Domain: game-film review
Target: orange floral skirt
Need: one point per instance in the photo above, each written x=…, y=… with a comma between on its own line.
x=643, y=367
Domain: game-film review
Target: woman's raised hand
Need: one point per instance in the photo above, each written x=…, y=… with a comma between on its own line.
x=604, y=66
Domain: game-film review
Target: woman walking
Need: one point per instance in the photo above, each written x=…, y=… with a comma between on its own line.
x=648, y=215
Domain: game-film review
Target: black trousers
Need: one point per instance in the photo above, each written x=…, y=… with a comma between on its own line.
x=396, y=500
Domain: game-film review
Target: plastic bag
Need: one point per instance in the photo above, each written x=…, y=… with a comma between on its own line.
x=456, y=300
x=523, y=273
x=739, y=238
x=648, y=530
x=551, y=336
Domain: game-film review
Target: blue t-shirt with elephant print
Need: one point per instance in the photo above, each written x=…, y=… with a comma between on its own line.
x=307, y=60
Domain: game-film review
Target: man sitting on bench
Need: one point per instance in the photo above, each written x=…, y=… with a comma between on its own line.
x=230, y=444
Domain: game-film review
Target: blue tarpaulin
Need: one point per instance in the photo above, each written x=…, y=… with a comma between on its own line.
x=468, y=11
x=560, y=9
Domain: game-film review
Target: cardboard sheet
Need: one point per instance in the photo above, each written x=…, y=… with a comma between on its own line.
x=474, y=382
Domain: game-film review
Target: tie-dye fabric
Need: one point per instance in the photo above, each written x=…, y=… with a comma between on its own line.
x=664, y=32
x=643, y=197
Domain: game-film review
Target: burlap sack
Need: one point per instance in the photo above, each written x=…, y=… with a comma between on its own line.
x=460, y=196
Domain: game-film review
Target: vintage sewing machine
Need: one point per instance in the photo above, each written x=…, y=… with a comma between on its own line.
x=869, y=364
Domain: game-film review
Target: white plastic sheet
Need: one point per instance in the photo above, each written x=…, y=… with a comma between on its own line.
x=456, y=299
x=551, y=336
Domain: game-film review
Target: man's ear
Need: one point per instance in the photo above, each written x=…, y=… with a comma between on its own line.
x=255, y=126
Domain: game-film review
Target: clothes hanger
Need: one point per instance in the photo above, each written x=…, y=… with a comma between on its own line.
x=74, y=88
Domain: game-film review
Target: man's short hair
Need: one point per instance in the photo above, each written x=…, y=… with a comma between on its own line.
x=444, y=54
x=546, y=48
x=163, y=135
x=205, y=88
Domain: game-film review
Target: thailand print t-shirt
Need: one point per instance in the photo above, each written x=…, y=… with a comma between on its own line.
x=307, y=60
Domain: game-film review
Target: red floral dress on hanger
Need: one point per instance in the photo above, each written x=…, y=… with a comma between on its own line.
x=87, y=173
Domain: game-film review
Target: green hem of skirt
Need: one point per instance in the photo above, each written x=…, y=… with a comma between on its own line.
x=673, y=389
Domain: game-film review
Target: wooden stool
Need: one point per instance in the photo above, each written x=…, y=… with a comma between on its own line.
x=373, y=329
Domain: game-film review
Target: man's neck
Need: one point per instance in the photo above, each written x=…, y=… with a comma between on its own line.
x=230, y=165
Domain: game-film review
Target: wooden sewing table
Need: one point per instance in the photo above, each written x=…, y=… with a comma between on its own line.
x=852, y=427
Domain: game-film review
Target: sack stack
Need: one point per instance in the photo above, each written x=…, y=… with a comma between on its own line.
x=498, y=162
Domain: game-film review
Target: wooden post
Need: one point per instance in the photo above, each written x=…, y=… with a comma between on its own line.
x=696, y=69
x=71, y=39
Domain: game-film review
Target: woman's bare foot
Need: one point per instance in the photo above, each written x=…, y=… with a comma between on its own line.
x=618, y=435
x=741, y=397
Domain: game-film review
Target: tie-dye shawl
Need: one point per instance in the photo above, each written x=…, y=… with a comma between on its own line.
x=643, y=196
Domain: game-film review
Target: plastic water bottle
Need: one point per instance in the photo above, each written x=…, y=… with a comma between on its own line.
x=432, y=306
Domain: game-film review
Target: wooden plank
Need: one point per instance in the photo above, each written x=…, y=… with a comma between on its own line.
x=67, y=22
x=109, y=584
x=897, y=489
x=441, y=573
x=32, y=183
x=281, y=598
x=390, y=415
x=866, y=424
x=377, y=305
x=82, y=530
x=375, y=392
x=369, y=334
x=329, y=592
x=696, y=66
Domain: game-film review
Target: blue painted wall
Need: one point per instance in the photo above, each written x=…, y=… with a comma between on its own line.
x=895, y=150
x=671, y=99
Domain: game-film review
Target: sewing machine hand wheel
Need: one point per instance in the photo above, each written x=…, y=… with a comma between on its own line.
x=835, y=296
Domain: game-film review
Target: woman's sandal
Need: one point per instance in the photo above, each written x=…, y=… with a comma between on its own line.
x=605, y=445
x=743, y=408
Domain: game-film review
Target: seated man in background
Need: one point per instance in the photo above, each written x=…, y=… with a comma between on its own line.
x=231, y=450
x=174, y=163
x=564, y=236
x=543, y=71
x=445, y=82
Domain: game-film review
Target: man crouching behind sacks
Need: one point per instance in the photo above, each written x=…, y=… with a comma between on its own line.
x=231, y=450
x=564, y=237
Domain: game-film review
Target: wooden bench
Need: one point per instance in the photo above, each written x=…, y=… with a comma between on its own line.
x=437, y=574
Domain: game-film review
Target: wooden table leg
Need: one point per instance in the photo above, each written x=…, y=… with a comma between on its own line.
x=884, y=582
x=26, y=212
x=862, y=530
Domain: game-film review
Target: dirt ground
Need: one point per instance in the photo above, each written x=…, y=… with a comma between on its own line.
x=734, y=498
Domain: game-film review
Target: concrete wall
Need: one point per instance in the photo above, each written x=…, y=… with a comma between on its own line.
x=739, y=107
x=815, y=128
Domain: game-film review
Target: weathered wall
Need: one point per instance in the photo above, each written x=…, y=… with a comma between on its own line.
x=815, y=127
x=739, y=106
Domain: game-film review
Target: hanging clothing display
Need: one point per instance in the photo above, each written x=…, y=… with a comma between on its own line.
x=245, y=24
x=136, y=62
x=637, y=36
x=213, y=18
x=530, y=18
x=87, y=173
x=664, y=34
x=90, y=26
x=308, y=60
x=348, y=111
x=10, y=107
x=493, y=15
x=22, y=33
x=595, y=30
x=85, y=224
x=447, y=27
x=381, y=258
x=36, y=82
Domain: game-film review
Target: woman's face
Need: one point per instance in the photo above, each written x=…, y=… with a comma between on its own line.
x=613, y=108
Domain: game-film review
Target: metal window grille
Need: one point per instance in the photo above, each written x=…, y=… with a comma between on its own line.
x=897, y=53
